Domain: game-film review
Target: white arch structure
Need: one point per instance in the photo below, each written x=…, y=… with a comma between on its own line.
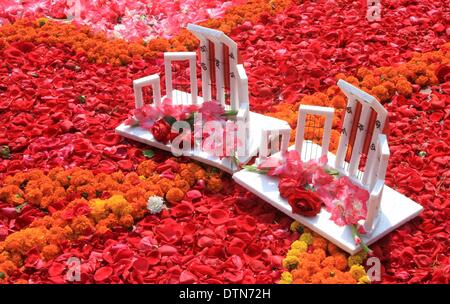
x=387, y=209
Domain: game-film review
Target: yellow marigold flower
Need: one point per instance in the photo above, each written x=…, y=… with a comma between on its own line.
x=364, y=280
x=296, y=227
x=42, y=21
x=142, y=177
x=118, y=205
x=354, y=260
x=357, y=271
x=286, y=278
x=307, y=238
x=300, y=245
x=293, y=252
x=290, y=262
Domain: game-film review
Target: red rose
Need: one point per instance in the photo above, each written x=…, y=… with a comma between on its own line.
x=161, y=131
x=287, y=186
x=305, y=202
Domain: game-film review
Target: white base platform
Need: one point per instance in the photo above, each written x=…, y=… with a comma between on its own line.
x=395, y=210
x=256, y=123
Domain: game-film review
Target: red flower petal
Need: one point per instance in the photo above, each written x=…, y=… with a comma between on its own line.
x=103, y=273
x=56, y=269
x=141, y=265
x=187, y=277
x=218, y=216
x=154, y=257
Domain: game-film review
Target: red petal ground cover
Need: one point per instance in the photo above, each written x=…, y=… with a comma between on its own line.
x=299, y=51
x=418, y=252
x=58, y=109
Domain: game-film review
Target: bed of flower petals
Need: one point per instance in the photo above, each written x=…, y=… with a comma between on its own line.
x=64, y=88
x=98, y=48
x=103, y=220
x=300, y=51
x=132, y=20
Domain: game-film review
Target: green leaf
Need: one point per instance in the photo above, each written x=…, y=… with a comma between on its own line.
x=148, y=153
x=422, y=154
x=2, y=275
x=170, y=120
x=309, y=187
x=230, y=113
x=81, y=99
x=5, y=153
x=236, y=161
x=332, y=172
x=253, y=168
x=20, y=207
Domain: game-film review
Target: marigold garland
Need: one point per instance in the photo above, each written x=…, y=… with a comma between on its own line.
x=92, y=204
x=383, y=83
x=100, y=49
x=312, y=259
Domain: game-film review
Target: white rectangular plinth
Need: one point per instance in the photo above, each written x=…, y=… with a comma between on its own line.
x=395, y=210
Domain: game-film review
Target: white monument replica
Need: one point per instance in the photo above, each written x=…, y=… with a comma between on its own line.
x=386, y=208
x=222, y=71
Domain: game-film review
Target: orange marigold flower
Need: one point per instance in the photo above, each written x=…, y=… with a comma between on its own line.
x=353, y=80
x=174, y=195
x=319, y=253
x=370, y=81
x=329, y=261
x=214, y=184
x=363, y=72
x=82, y=225
x=381, y=93
x=340, y=261
x=146, y=168
x=423, y=81
x=7, y=267
x=50, y=251
x=300, y=273
x=165, y=184
x=333, y=249
x=136, y=195
x=118, y=177
x=339, y=101
x=126, y=221
x=188, y=176
x=132, y=178
x=200, y=175
x=182, y=184
x=319, y=242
